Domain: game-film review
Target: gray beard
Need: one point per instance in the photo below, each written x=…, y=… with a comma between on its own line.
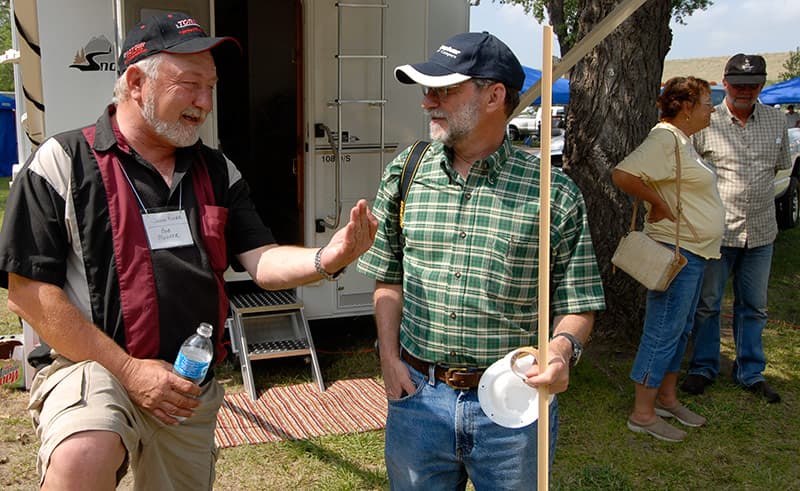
x=176, y=133
x=460, y=124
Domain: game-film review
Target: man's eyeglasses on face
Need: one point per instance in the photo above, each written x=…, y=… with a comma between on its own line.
x=745, y=86
x=439, y=92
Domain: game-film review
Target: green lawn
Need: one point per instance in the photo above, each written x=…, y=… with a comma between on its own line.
x=747, y=445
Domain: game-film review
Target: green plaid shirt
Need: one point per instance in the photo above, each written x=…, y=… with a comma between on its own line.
x=470, y=263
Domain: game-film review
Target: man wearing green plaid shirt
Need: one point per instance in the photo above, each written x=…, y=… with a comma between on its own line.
x=462, y=292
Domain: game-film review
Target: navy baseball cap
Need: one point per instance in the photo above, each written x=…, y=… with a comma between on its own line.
x=462, y=57
x=167, y=33
x=746, y=69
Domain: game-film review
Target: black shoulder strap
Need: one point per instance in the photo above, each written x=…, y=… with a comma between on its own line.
x=406, y=178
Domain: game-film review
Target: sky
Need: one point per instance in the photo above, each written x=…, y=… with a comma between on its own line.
x=725, y=28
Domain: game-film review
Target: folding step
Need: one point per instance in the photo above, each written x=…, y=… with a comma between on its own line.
x=269, y=324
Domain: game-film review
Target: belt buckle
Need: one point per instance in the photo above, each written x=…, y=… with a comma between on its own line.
x=452, y=382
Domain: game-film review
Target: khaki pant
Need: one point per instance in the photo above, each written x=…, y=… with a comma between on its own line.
x=68, y=398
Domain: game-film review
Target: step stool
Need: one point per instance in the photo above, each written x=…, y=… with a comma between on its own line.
x=269, y=324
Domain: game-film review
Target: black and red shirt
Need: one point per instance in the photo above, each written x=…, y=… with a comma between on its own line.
x=61, y=222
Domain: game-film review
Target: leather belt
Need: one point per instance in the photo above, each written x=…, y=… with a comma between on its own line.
x=461, y=378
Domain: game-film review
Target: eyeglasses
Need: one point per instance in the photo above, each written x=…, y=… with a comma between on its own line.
x=439, y=92
x=745, y=86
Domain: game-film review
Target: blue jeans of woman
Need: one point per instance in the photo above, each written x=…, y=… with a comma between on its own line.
x=668, y=321
x=438, y=437
x=750, y=269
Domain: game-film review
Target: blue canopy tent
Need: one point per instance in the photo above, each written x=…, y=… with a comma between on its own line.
x=560, y=86
x=8, y=135
x=783, y=93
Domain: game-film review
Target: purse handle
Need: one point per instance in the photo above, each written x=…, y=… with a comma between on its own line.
x=679, y=208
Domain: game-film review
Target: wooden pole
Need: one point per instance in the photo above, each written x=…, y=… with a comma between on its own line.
x=543, y=454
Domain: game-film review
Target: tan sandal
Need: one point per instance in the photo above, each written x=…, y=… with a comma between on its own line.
x=659, y=429
x=683, y=414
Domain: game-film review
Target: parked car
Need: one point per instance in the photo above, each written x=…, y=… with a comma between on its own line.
x=787, y=186
x=556, y=147
x=559, y=115
x=717, y=94
x=529, y=121
x=523, y=125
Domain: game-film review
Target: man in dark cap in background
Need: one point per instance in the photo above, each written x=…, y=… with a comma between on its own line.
x=463, y=291
x=86, y=266
x=747, y=143
x=792, y=117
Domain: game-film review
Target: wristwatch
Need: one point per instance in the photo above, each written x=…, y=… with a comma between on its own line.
x=577, y=348
x=321, y=270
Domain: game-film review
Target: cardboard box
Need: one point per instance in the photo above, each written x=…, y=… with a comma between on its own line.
x=12, y=365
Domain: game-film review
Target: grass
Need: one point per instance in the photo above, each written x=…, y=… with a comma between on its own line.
x=747, y=445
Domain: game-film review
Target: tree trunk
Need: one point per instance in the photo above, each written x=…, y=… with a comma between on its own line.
x=613, y=93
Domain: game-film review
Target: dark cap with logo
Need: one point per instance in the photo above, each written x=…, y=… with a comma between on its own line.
x=167, y=33
x=465, y=56
x=746, y=69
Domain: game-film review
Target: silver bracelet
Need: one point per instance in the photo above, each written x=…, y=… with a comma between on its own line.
x=321, y=271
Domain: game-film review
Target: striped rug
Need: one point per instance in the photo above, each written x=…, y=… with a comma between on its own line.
x=297, y=412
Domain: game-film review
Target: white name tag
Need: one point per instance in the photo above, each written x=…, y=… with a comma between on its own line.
x=167, y=229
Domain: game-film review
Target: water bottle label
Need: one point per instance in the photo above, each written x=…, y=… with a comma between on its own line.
x=191, y=369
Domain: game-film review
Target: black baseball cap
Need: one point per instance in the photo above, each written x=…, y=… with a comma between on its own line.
x=464, y=56
x=746, y=69
x=167, y=33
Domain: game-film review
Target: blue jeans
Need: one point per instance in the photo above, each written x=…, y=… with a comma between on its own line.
x=667, y=324
x=750, y=269
x=438, y=437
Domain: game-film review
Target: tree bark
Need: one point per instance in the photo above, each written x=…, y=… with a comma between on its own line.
x=613, y=93
x=555, y=11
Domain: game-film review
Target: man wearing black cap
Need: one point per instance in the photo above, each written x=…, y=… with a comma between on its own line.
x=747, y=143
x=462, y=292
x=113, y=247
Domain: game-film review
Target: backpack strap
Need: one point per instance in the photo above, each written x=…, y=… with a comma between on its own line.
x=410, y=167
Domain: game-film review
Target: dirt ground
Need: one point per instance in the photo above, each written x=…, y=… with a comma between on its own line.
x=18, y=442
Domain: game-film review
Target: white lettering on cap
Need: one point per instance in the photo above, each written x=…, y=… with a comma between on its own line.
x=448, y=51
x=183, y=23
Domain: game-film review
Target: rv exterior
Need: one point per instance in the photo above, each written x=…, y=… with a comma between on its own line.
x=310, y=113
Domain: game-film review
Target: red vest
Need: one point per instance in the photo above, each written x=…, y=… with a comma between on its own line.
x=132, y=250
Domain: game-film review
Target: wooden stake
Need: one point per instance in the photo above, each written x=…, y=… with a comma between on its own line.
x=545, y=134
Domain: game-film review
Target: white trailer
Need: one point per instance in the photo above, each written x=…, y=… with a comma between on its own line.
x=310, y=113
x=311, y=70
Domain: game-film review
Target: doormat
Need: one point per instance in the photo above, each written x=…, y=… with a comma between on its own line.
x=297, y=412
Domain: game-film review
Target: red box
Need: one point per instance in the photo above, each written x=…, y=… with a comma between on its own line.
x=12, y=366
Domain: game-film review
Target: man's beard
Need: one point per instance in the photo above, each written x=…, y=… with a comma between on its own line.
x=459, y=123
x=743, y=104
x=178, y=132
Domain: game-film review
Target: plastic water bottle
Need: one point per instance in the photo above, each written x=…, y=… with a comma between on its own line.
x=195, y=354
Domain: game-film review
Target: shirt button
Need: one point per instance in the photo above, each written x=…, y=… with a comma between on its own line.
x=452, y=315
x=458, y=274
x=491, y=180
x=462, y=234
x=468, y=196
x=453, y=353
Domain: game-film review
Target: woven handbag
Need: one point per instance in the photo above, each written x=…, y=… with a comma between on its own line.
x=650, y=262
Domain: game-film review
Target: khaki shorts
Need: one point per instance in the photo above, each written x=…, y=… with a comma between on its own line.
x=67, y=398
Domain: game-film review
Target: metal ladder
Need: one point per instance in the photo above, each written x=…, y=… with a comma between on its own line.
x=332, y=222
x=270, y=324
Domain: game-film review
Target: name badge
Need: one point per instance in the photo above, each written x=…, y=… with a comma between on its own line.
x=167, y=229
